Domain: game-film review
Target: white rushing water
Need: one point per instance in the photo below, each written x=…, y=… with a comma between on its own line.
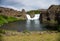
x=36, y=17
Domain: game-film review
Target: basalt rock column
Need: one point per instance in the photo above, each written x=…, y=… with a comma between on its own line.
x=23, y=13
x=43, y=16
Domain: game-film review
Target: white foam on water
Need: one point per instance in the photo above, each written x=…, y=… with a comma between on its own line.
x=36, y=17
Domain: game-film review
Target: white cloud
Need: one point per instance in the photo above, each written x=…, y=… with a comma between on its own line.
x=10, y=7
x=30, y=4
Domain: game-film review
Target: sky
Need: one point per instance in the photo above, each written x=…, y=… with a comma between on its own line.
x=28, y=4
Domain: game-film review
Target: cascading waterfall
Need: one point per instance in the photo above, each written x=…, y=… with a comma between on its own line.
x=33, y=23
x=36, y=17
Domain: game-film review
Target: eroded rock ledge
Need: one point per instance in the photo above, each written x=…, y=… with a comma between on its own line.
x=13, y=13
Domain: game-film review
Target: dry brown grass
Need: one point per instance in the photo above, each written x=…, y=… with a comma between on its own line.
x=32, y=36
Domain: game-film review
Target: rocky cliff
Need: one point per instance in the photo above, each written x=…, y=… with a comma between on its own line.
x=13, y=13
x=51, y=15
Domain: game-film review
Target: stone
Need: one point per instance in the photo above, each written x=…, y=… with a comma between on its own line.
x=13, y=13
x=51, y=15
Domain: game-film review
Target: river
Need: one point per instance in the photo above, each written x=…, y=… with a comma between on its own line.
x=31, y=24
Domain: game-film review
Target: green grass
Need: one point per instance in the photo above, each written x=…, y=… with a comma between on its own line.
x=11, y=19
x=2, y=20
x=6, y=19
x=58, y=38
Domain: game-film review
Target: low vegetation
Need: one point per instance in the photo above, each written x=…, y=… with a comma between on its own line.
x=32, y=36
x=6, y=19
x=35, y=12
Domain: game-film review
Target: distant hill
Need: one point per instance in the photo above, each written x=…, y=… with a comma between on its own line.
x=36, y=11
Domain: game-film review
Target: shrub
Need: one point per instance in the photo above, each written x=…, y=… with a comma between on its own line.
x=2, y=31
x=26, y=31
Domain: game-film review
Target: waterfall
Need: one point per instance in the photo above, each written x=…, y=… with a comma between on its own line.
x=36, y=17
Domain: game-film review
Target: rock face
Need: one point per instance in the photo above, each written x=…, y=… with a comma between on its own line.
x=23, y=13
x=13, y=13
x=43, y=16
x=51, y=15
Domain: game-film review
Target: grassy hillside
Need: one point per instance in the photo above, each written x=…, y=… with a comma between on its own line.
x=5, y=19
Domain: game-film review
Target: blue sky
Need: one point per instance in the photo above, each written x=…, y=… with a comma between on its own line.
x=28, y=4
